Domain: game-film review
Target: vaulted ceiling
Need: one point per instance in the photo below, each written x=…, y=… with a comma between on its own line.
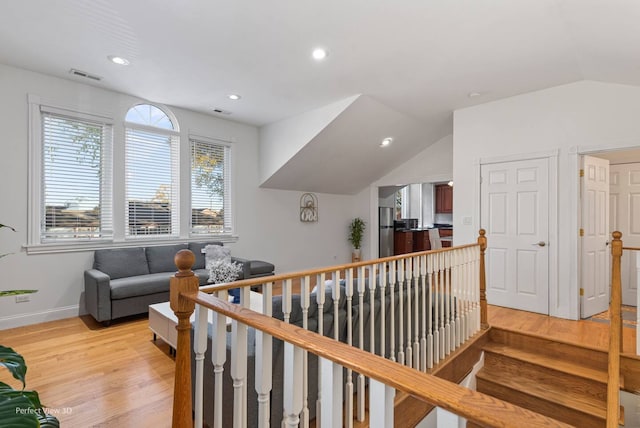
x=419, y=59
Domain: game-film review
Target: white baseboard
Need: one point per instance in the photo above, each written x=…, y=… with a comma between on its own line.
x=38, y=317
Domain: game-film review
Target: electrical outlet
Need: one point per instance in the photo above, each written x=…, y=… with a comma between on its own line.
x=466, y=221
x=23, y=298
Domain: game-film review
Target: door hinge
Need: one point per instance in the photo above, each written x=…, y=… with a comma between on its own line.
x=582, y=291
x=581, y=232
x=582, y=173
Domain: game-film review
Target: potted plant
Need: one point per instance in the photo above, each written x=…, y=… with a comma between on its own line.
x=12, y=292
x=356, y=233
x=20, y=407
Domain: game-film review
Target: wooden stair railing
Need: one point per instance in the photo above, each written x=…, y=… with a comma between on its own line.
x=615, y=334
x=477, y=407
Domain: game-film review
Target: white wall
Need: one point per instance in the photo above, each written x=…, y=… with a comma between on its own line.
x=267, y=221
x=575, y=118
x=280, y=141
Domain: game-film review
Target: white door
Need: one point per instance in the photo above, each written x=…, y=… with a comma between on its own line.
x=514, y=201
x=595, y=275
x=624, y=186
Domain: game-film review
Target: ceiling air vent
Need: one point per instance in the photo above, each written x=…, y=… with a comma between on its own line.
x=220, y=111
x=84, y=74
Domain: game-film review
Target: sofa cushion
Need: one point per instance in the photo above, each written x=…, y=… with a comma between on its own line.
x=160, y=258
x=121, y=262
x=260, y=268
x=140, y=285
x=196, y=248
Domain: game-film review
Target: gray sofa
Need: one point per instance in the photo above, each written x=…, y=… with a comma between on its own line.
x=359, y=314
x=125, y=281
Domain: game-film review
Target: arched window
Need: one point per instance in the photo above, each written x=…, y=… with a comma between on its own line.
x=151, y=172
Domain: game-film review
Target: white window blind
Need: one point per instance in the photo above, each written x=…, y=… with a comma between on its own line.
x=151, y=183
x=76, y=201
x=211, y=208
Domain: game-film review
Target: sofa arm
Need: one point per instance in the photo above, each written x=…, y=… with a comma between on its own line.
x=246, y=266
x=97, y=294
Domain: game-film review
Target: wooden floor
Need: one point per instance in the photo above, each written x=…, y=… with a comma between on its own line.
x=118, y=377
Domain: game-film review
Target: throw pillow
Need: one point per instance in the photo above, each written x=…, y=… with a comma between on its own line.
x=214, y=253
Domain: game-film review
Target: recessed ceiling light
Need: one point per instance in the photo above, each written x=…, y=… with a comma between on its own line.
x=319, y=54
x=118, y=60
x=386, y=142
x=474, y=94
x=450, y=184
x=234, y=97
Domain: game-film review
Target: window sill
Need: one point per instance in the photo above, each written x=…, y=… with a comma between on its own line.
x=98, y=244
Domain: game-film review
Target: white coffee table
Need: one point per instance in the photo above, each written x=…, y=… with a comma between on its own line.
x=163, y=322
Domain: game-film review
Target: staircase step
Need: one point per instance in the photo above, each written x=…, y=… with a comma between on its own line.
x=571, y=374
x=586, y=356
x=555, y=401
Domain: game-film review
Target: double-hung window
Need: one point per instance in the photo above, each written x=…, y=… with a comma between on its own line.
x=211, y=211
x=74, y=201
x=151, y=173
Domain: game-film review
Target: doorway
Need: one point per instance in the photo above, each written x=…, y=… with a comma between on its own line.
x=623, y=209
x=516, y=212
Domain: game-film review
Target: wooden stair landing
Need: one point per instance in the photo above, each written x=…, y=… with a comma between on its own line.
x=563, y=381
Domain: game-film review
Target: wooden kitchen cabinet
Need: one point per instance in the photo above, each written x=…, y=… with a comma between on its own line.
x=444, y=199
x=421, y=240
x=402, y=242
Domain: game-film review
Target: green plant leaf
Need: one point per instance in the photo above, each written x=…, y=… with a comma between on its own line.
x=15, y=412
x=16, y=292
x=14, y=363
x=48, y=421
x=8, y=227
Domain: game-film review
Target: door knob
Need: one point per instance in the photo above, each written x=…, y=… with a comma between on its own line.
x=540, y=244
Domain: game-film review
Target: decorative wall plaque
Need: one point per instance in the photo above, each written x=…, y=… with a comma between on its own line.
x=308, y=208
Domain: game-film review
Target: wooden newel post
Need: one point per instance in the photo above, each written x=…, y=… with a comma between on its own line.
x=615, y=334
x=184, y=281
x=482, y=241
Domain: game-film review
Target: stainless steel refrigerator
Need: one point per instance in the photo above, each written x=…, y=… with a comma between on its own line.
x=385, y=232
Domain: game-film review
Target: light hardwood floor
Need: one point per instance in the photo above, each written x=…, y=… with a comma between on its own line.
x=118, y=377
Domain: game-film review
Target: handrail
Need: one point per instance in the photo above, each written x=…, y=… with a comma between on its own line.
x=480, y=408
x=631, y=248
x=328, y=269
x=615, y=334
x=475, y=406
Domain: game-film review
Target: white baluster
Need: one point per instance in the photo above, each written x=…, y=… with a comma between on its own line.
x=286, y=299
x=448, y=342
x=430, y=314
x=383, y=308
x=423, y=339
x=409, y=350
x=292, y=385
x=263, y=362
x=455, y=340
x=348, y=387
x=305, y=301
x=416, y=312
x=335, y=294
x=381, y=404
x=218, y=358
x=372, y=320
x=443, y=305
x=199, y=348
x=331, y=380
x=239, y=372
x=361, y=389
x=436, y=307
x=392, y=295
x=320, y=301
x=401, y=311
